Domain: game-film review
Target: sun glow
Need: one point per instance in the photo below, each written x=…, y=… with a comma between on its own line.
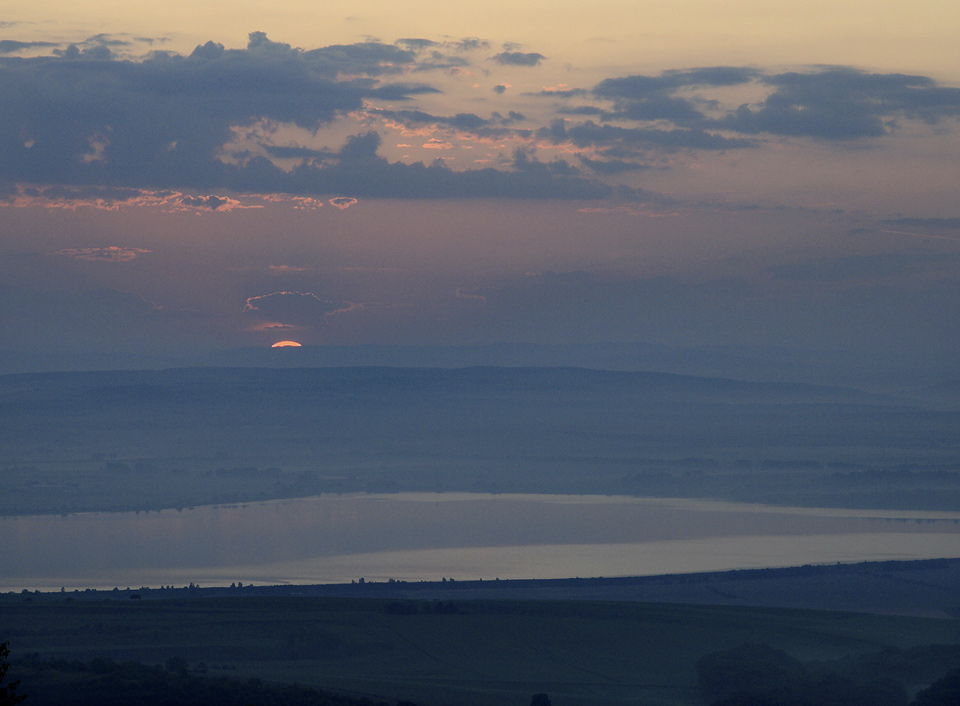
x=285, y=344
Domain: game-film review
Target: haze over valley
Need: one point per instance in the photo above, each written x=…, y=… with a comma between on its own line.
x=177, y=438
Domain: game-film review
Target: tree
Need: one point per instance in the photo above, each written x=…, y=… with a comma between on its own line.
x=943, y=692
x=540, y=700
x=8, y=693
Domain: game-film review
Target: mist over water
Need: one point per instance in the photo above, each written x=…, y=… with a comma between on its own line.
x=425, y=536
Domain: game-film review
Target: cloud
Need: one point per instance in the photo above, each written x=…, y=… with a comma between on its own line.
x=294, y=308
x=560, y=92
x=471, y=296
x=460, y=121
x=611, y=166
x=638, y=87
x=11, y=46
x=164, y=120
x=112, y=253
x=828, y=103
x=115, y=198
x=518, y=58
x=416, y=43
x=342, y=202
x=470, y=44
x=220, y=120
x=212, y=203
x=589, y=133
x=300, y=203
x=359, y=170
x=293, y=152
x=843, y=104
x=73, y=197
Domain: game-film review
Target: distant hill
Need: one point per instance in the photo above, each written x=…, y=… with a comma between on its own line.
x=753, y=363
x=143, y=439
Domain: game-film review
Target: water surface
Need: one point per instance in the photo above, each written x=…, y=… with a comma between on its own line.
x=421, y=536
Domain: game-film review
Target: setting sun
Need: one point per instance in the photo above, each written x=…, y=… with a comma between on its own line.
x=285, y=344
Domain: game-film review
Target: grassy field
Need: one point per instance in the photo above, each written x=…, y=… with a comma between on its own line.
x=453, y=652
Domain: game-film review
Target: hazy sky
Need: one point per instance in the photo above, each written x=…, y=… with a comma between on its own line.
x=194, y=175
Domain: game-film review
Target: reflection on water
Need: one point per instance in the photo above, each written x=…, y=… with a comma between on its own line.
x=413, y=536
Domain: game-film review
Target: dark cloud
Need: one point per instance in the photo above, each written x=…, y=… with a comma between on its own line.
x=494, y=126
x=201, y=123
x=105, y=40
x=152, y=40
x=843, y=104
x=500, y=89
x=460, y=121
x=416, y=43
x=589, y=133
x=525, y=161
x=510, y=118
x=584, y=110
x=163, y=121
x=828, y=103
x=360, y=171
x=612, y=166
x=560, y=93
x=518, y=58
x=638, y=87
x=369, y=58
x=469, y=44
x=10, y=46
x=297, y=152
x=652, y=97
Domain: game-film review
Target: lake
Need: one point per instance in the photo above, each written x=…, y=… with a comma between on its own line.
x=423, y=536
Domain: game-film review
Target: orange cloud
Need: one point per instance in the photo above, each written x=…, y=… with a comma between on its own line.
x=298, y=202
x=112, y=253
x=474, y=297
x=106, y=198
x=638, y=210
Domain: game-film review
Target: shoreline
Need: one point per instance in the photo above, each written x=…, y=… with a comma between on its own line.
x=921, y=588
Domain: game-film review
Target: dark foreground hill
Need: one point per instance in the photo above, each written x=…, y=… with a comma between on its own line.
x=150, y=439
x=457, y=651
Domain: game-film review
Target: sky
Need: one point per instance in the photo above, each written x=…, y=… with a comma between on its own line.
x=196, y=176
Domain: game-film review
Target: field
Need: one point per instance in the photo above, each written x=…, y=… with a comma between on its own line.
x=445, y=652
